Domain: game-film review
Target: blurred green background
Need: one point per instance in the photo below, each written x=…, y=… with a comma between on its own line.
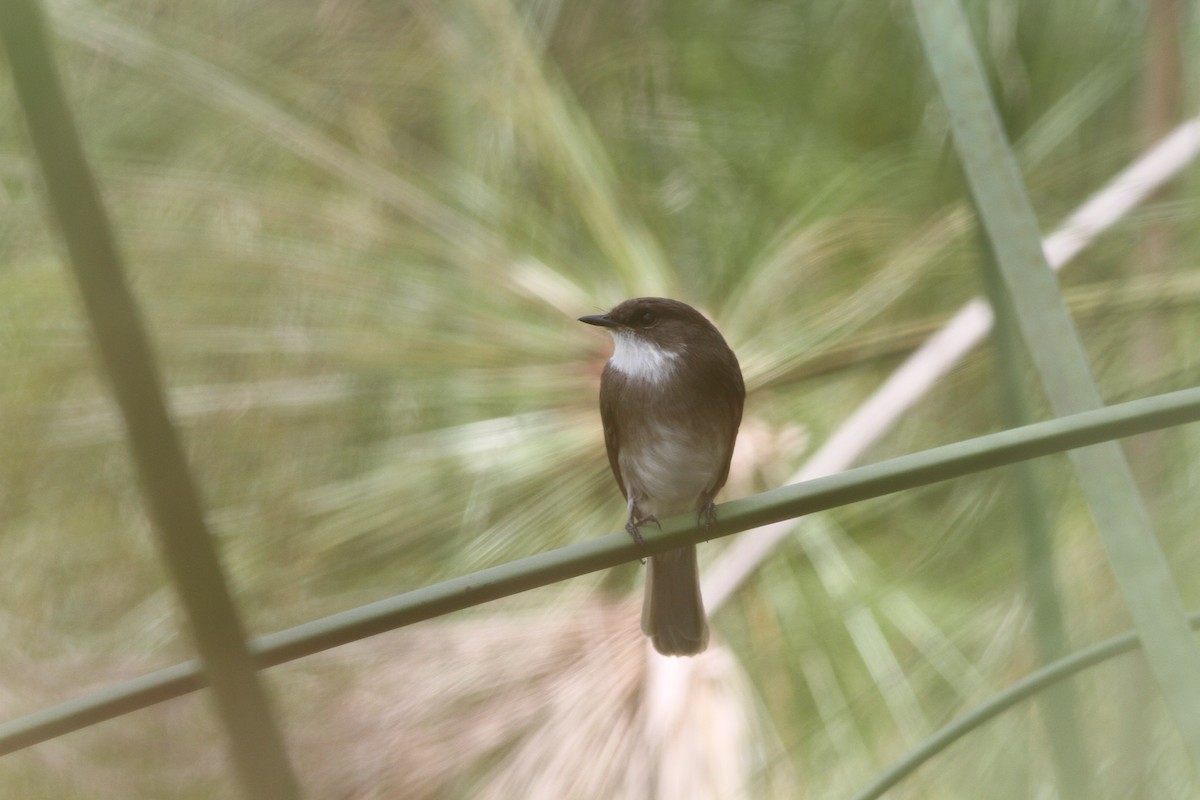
x=361, y=232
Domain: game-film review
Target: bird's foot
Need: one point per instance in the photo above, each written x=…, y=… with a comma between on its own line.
x=632, y=528
x=634, y=523
x=707, y=516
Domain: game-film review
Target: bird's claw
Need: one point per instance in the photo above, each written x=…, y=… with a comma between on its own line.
x=632, y=528
x=707, y=515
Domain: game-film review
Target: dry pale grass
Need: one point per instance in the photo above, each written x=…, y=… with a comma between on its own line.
x=569, y=703
x=518, y=702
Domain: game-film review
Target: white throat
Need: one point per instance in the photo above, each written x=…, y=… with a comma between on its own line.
x=639, y=359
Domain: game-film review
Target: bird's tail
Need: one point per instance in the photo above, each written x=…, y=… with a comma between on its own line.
x=673, y=611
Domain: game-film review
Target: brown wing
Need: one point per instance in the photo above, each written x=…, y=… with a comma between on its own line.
x=608, y=417
x=737, y=398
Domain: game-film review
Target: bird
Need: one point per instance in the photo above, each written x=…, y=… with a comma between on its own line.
x=671, y=398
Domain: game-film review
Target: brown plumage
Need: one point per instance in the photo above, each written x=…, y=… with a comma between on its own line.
x=671, y=401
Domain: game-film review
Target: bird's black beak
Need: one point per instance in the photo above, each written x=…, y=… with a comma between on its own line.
x=603, y=320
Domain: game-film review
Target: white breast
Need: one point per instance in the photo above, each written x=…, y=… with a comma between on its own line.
x=641, y=360
x=667, y=470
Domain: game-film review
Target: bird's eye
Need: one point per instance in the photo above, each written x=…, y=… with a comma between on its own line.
x=649, y=318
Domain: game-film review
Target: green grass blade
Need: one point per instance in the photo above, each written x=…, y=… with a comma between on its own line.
x=907, y=472
x=1068, y=745
x=1121, y=519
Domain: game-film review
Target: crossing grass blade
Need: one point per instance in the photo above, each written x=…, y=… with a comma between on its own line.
x=1059, y=706
x=172, y=498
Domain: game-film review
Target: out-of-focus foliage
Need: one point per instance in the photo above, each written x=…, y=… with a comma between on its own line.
x=361, y=232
